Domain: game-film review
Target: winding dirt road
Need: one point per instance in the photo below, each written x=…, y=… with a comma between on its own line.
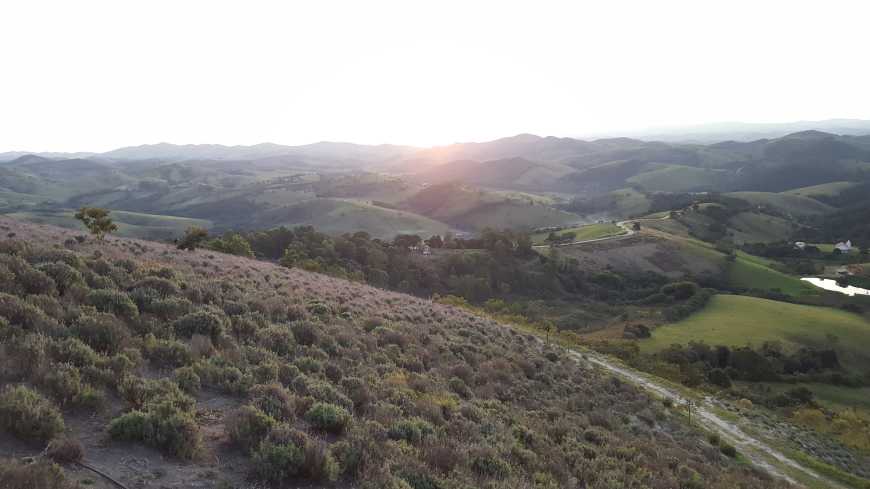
x=625, y=225
x=757, y=452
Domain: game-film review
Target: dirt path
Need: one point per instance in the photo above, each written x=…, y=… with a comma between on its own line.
x=756, y=451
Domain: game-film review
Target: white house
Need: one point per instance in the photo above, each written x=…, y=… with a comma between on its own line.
x=844, y=247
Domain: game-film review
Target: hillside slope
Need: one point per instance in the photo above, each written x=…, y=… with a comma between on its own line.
x=194, y=369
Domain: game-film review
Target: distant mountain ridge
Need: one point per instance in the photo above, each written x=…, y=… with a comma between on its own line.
x=528, y=146
x=747, y=131
x=524, y=162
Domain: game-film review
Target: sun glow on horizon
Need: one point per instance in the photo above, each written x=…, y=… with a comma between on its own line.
x=128, y=73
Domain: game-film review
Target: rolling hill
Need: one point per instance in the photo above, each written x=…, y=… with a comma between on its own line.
x=469, y=208
x=165, y=368
x=797, y=177
x=737, y=321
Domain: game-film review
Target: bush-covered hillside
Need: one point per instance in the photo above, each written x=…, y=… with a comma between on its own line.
x=172, y=368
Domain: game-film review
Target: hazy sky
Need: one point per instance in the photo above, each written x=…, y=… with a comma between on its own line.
x=94, y=75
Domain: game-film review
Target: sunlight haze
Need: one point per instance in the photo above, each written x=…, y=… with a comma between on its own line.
x=116, y=73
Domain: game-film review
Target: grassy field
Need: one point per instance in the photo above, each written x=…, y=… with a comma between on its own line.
x=130, y=224
x=788, y=204
x=829, y=247
x=591, y=231
x=738, y=320
x=675, y=178
x=474, y=209
x=751, y=272
x=337, y=216
x=831, y=396
x=8, y=199
x=629, y=202
x=752, y=227
x=746, y=271
x=512, y=215
x=826, y=189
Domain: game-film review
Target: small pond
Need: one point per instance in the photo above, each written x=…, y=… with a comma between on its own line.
x=830, y=284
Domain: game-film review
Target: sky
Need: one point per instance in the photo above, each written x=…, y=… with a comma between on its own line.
x=94, y=75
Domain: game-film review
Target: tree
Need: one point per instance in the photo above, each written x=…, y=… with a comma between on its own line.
x=97, y=221
x=635, y=226
x=193, y=237
x=524, y=245
x=435, y=241
x=549, y=328
x=233, y=244
x=406, y=240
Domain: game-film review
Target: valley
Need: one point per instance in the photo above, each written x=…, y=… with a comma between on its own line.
x=434, y=245
x=674, y=271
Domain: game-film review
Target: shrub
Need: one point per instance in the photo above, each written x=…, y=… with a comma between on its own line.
x=318, y=308
x=28, y=415
x=219, y=373
x=142, y=393
x=233, y=308
x=247, y=426
x=64, y=276
x=168, y=308
x=201, y=346
x=187, y=380
x=39, y=475
x=274, y=400
x=200, y=322
x=164, y=426
x=595, y=435
x=287, y=372
x=304, y=333
x=327, y=417
x=167, y=353
x=7, y=280
x=308, y=365
x=74, y=351
x=322, y=391
x=719, y=377
x=278, y=339
x=102, y=332
x=320, y=465
x=64, y=382
x=357, y=391
x=34, y=281
x=162, y=286
x=419, y=480
x=442, y=458
x=728, y=450
x=129, y=426
x=265, y=373
x=275, y=462
x=26, y=315
x=65, y=450
x=458, y=386
x=114, y=302
x=412, y=430
x=487, y=463
x=680, y=290
x=290, y=453
x=172, y=430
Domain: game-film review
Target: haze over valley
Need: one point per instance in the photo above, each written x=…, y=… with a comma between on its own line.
x=444, y=245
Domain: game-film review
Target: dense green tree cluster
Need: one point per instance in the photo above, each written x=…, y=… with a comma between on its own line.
x=496, y=264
